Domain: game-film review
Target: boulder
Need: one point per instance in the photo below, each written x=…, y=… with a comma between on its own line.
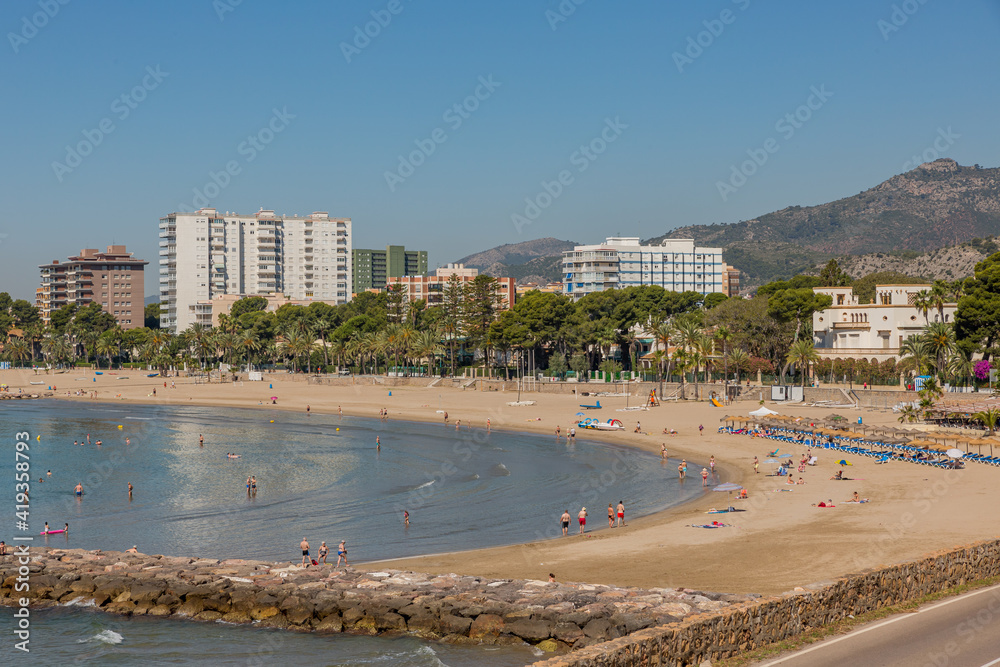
x=236, y=617
x=159, y=610
x=548, y=646
x=567, y=632
x=331, y=623
x=485, y=626
x=391, y=622
x=142, y=592
x=261, y=613
x=192, y=606
x=352, y=615
x=424, y=625
x=455, y=625
x=207, y=615
x=598, y=628
x=531, y=631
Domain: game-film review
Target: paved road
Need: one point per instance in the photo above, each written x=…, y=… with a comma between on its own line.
x=962, y=631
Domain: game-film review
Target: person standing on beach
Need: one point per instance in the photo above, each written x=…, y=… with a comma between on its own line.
x=582, y=516
x=701, y=429
x=340, y=411
x=711, y=463
x=611, y=516
x=307, y=409
x=621, y=513
x=557, y=432
x=304, y=545
x=487, y=424
x=572, y=434
x=342, y=553
x=756, y=465
x=445, y=417
x=565, y=522
x=663, y=451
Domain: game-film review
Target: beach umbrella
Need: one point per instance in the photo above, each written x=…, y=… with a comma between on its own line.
x=844, y=462
x=728, y=487
x=579, y=414
x=955, y=453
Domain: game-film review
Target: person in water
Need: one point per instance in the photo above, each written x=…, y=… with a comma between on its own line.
x=79, y=489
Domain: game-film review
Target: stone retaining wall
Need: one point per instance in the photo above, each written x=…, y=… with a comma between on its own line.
x=743, y=627
x=553, y=616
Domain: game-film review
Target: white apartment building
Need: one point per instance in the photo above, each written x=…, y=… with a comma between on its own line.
x=872, y=331
x=206, y=253
x=676, y=265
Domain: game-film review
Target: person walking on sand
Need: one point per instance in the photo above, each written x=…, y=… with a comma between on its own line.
x=342, y=553
x=304, y=545
x=611, y=516
x=701, y=429
x=621, y=513
x=564, y=519
x=756, y=465
x=445, y=417
x=711, y=464
x=704, y=476
x=582, y=516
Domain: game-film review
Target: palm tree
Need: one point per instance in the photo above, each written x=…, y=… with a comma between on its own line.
x=664, y=333
x=724, y=335
x=688, y=333
x=740, y=358
x=427, y=345
x=914, y=352
x=937, y=297
x=908, y=413
x=922, y=302
x=248, y=343
x=802, y=353
x=106, y=346
x=18, y=349
x=321, y=327
x=940, y=340
x=989, y=418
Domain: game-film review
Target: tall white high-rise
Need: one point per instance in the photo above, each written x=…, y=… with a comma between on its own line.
x=207, y=253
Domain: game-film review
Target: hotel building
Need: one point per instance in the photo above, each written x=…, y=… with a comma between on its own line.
x=676, y=265
x=207, y=253
x=873, y=331
x=113, y=279
x=371, y=269
x=431, y=288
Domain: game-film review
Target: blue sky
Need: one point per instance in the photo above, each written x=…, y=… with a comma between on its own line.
x=211, y=74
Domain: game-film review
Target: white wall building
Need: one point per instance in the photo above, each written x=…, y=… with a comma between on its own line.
x=676, y=265
x=873, y=331
x=207, y=253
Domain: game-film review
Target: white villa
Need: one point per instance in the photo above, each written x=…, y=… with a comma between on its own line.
x=872, y=331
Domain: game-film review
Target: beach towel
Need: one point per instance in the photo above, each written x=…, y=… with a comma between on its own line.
x=711, y=525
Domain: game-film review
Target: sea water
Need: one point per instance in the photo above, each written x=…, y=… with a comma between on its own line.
x=320, y=477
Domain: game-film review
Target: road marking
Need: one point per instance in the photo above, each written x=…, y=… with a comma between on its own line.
x=855, y=633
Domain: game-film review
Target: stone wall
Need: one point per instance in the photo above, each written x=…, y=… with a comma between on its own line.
x=553, y=616
x=743, y=627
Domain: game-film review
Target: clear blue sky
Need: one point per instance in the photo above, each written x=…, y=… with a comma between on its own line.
x=891, y=92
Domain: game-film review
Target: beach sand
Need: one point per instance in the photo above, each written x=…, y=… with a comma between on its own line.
x=780, y=542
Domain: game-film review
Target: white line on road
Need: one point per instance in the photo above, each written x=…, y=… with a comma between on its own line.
x=855, y=633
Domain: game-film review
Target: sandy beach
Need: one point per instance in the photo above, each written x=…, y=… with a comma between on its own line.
x=780, y=542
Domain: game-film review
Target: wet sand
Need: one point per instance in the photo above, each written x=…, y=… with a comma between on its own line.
x=780, y=542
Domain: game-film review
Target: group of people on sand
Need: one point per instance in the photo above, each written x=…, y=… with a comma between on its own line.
x=324, y=551
x=616, y=518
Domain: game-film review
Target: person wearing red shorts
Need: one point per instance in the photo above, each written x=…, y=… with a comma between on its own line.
x=582, y=516
x=621, y=513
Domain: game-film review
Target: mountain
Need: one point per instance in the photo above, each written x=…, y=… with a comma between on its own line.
x=937, y=204
x=529, y=261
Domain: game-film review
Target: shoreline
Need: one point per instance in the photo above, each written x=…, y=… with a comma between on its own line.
x=781, y=542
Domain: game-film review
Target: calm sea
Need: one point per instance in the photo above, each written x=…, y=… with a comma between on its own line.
x=463, y=489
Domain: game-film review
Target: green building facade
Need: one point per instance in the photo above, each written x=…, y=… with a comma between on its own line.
x=372, y=269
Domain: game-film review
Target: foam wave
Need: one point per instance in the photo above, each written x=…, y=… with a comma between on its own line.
x=500, y=470
x=425, y=484
x=104, y=637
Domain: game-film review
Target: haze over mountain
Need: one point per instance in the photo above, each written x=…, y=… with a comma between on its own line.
x=529, y=261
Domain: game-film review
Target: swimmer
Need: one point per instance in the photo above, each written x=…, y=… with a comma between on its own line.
x=49, y=473
x=406, y=518
x=128, y=441
x=130, y=489
x=79, y=489
x=663, y=450
x=66, y=528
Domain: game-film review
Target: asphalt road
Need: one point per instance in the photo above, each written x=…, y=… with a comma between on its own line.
x=963, y=631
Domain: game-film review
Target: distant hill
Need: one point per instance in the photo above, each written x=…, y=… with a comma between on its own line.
x=529, y=261
x=155, y=298
x=948, y=263
x=937, y=204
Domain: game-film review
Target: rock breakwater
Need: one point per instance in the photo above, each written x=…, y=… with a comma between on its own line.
x=460, y=609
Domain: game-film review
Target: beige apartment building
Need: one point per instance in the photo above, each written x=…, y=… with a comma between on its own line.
x=431, y=288
x=114, y=279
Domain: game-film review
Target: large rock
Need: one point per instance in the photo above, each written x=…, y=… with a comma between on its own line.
x=457, y=625
x=567, y=632
x=486, y=626
x=261, y=613
x=532, y=631
x=143, y=593
x=208, y=615
x=236, y=617
x=332, y=623
x=424, y=625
